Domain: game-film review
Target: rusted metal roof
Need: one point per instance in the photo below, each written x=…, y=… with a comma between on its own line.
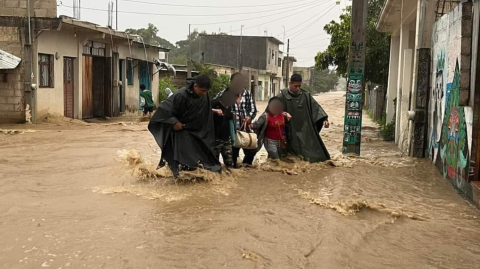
x=8, y=61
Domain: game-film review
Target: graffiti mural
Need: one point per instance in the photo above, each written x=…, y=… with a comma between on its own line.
x=437, y=99
x=453, y=146
x=354, y=103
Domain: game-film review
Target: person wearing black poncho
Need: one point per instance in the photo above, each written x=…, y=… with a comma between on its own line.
x=183, y=128
x=308, y=118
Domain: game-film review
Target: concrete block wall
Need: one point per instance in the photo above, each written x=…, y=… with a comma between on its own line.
x=39, y=8
x=12, y=81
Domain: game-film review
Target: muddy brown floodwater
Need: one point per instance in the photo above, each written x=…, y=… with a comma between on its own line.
x=75, y=195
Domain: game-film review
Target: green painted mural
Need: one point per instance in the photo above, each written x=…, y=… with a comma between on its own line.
x=453, y=161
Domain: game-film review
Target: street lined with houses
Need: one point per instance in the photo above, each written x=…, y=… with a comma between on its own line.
x=311, y=134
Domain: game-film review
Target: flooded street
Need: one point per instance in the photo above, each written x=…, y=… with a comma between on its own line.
x=68, y=199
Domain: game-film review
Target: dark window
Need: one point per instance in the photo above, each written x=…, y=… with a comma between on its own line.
x=280, y=62
x=94, y=48
x=129, y=72
x=45, y=69
x=269, y=52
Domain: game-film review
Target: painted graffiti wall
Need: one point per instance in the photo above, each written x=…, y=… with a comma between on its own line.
x=449, y=137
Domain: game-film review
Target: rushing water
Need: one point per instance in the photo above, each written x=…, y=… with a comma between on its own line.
x=72, y=197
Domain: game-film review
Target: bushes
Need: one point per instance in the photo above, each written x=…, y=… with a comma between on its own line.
x=387, y=130
x=163, y=84
x=219, y=82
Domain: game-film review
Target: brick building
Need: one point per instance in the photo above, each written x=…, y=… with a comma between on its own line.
x=69, y=67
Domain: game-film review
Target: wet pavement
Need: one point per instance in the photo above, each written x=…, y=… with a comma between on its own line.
x=76, y=195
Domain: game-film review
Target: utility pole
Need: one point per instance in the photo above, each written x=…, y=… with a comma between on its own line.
x=189, y=63
x=283, y=37
x=241, y=41
x=352, y=134
x=116, y=14
x=287, y=68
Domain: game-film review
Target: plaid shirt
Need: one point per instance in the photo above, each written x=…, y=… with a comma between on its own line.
x=247, y=106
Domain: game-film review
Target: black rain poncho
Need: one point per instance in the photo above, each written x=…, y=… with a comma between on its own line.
x=304, y=127
x=192, y=146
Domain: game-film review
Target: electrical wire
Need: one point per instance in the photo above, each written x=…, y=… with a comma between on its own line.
x=199, y=6
x=281, y=18
x=311, y=37
x=190, y=15
x=304, y=29
x=304, y=47
x=298, y=25
x=309, y=5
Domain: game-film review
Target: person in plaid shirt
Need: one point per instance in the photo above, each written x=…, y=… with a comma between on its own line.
x=244, y=110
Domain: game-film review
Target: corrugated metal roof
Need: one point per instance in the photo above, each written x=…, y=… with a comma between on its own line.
x=8, y=61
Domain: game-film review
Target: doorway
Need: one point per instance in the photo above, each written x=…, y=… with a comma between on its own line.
x=68, y=88
x=144, y=78
x=121, y=87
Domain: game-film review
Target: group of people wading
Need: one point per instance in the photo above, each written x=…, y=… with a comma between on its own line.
x=193, y=130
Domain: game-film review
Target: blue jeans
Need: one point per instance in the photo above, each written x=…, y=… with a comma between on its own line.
x=273, y=148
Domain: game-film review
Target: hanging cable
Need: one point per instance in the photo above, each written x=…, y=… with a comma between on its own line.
x=199, y=6
x=281, y=18
x=298, y=25
x=304, y=29
x=191, y=15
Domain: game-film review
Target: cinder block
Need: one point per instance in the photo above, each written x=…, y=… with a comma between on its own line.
x=41, y=13
x=7, y=108
x=19, y=93
x=466, y=45
x=23, y=4
x=464, y=76
x=463, y=97
x=52, y=13
x=465, y=62
x=12, y=3
x=48, y=5
x=14, y=100
x=466, y=28
x=19, y=12
x=2, y=4
x=19, y=107
x=7, y=93
x=15, y=77
x=467, y=9
x=3, y=100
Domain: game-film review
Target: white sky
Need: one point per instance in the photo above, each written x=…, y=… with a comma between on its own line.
x=303, y=19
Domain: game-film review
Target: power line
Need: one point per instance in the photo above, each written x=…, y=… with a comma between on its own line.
x=304, y=47
x=189, y=15
x=298, y=25
x=312, y=37
x=308, y=26
x=281, y=18
x=310, y=5
x=309, y=44
x=199, y=6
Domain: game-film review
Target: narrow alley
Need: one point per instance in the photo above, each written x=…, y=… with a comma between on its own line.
x=68, y=199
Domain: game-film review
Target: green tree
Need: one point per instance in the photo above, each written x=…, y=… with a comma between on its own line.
x=164, y=83
x=377, y=47
x=219, y=82
x=321, y=81
x=149, y=35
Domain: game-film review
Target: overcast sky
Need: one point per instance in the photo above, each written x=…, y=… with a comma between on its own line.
x=303, y=19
